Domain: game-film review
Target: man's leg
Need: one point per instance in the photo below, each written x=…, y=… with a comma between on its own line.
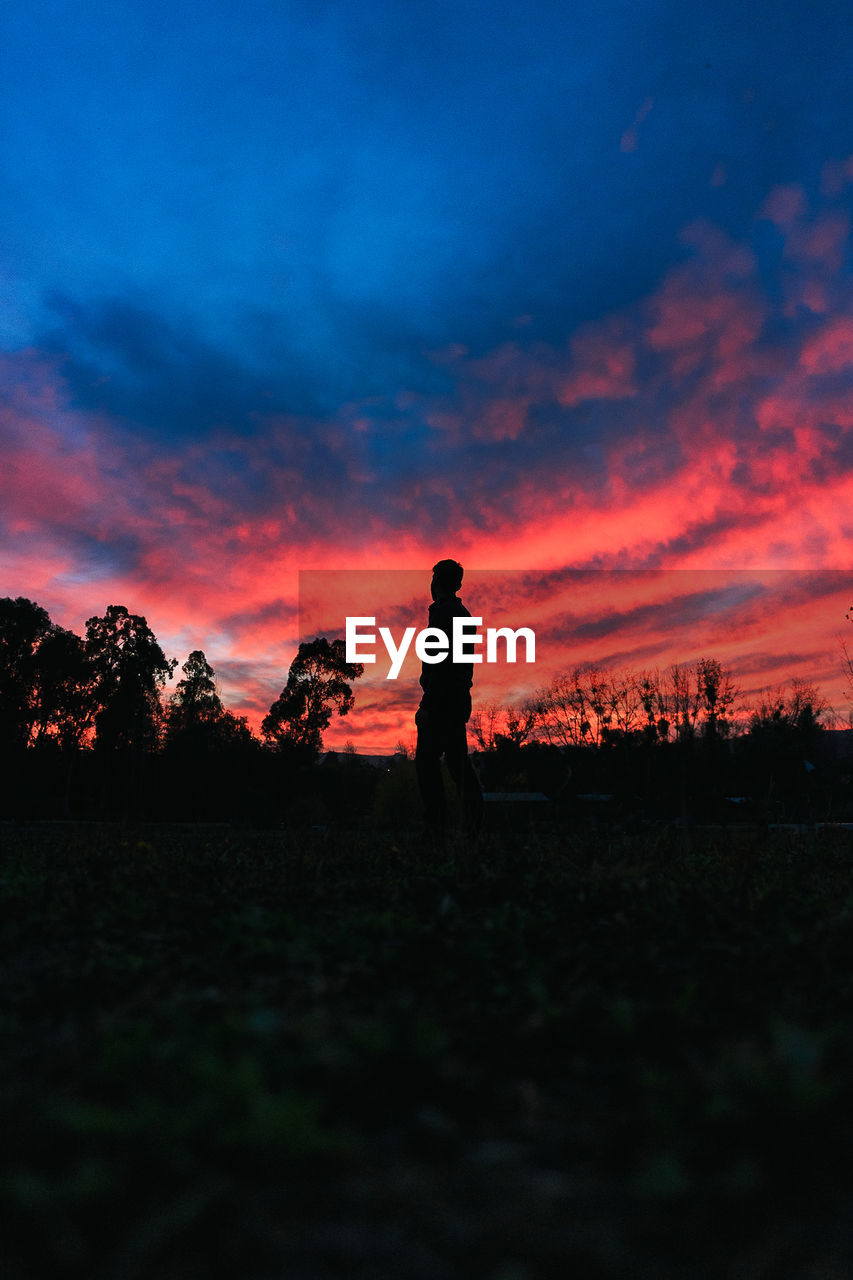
x=464, y=774
x=428, y=766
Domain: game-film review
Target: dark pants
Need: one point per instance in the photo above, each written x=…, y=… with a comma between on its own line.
x=441, y=734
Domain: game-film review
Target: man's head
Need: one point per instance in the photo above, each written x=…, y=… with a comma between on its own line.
x=446, y=578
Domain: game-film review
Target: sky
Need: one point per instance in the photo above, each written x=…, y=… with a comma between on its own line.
x=548, y=288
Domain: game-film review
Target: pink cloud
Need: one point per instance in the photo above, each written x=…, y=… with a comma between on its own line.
x=603, y=364
x=830, y=350
x=785, y=205
x=630, y=138
x=720, y=440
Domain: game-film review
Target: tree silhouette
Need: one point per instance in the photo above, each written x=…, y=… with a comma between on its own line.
x=316, y=686
x=64, y=705
x=517, y=725
x=195, y=704
x=716, y=695
x=847, y=657
x=577, y=708
x=129, y=668
x=23, y=627
x=790, y=713
x=196, y=721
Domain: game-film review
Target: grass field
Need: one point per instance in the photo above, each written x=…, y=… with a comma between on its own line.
x=264, y=1054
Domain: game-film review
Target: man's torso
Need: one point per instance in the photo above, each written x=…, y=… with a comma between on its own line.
x=447, y=684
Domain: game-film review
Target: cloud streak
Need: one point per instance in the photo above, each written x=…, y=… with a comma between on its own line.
x=706, y=426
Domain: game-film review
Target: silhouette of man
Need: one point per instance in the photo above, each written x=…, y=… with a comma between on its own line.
x=445, y=709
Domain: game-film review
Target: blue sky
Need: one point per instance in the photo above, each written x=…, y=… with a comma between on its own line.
x=327, y=191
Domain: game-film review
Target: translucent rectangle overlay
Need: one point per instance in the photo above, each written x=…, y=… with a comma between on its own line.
x=765, y=626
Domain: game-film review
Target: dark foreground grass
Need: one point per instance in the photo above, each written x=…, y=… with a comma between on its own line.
x=266, y=1055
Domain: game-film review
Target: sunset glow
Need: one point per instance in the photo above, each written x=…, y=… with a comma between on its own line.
x=323, y=301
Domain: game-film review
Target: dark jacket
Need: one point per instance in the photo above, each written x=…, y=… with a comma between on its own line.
x=447, y=684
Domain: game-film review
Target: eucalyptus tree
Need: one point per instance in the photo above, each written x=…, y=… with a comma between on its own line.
x=130, y=669
x=23, y=627
x=317, y=685
x=195, y=719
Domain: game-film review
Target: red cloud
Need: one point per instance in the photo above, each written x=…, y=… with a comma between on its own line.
x=706, y=427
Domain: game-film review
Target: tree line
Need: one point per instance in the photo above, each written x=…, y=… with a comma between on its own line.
x=87, y=726
x=87, y=719
x=104, y=690
x=591, y=706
